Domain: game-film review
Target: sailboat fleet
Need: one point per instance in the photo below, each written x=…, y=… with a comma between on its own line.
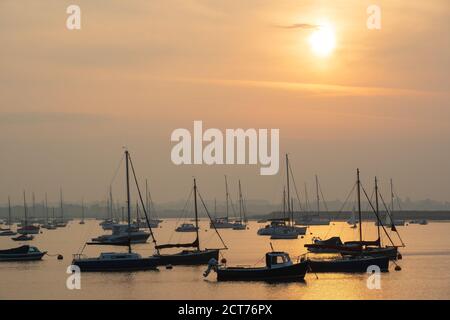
x=137, y=228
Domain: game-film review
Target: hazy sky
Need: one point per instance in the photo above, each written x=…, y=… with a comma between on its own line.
x=137, y=70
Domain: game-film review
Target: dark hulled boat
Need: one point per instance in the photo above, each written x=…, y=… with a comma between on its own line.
x=279, y=267
x=23, y=253
x=114, y=261
x=362, y=254
x=349, y=264
x=197, y=256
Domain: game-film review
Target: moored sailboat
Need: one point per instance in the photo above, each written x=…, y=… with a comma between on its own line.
x=195, y=256
x=117, y=261
x=353, y=263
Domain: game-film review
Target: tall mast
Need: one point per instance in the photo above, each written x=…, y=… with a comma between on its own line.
x=306, y=198
x=226, y=194
x=111, y=203
x=34, y=205
x=392, y=203
x=128, y=199
x=9, y=211
x=61, y=203
x=378, y=212
x=358, y=182
x=288, y=192
x=240, y=201
x=25, y=208
x=284, y=202
x=317, y=195
x=46, y=207
x=196, y=214
x=82, y=209
x=146, y=198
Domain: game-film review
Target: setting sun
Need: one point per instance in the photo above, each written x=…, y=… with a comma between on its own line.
x=322, y=41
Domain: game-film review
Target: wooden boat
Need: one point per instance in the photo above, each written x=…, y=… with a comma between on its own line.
x=349, y=264
x=117, y=261
x=279, y=267
x=197, y=256
x=23, y=253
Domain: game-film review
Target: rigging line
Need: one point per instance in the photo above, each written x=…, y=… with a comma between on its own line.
x=398, y=201
x=295, y=188
x=376, y=214
x=340, y=210
x=209, y=216
x=142, y=202
x=183, y=213
x=117, y=170
x=387, y=212
x=323, y=198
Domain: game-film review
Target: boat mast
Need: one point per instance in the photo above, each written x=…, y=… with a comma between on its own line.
x=147, y=205
x=392, y=204
x=358, y=182
x=111, y=213
x=317, y=195
x=284, y=202
x=82, y=209
x=288, y=192
x=128, y=199
x=196, y=213
x=61, y=203
x=226, y=195
x=240, y=201
x=34, y=205
x=9, y=211
x=46, y=207
x=378, y=212
x=25, y=208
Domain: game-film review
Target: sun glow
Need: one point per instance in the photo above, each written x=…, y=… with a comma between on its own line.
x=322, y=41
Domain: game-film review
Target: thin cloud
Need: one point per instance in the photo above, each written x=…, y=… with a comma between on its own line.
x=306, y=26
x=315, y=89
x=49, y=117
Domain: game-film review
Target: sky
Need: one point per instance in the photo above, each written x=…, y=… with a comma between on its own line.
x=137, y=70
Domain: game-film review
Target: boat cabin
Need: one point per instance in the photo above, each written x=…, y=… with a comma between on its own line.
x=116, y=256
x=277, y=260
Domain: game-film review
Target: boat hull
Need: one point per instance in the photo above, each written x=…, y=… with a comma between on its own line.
x=355, y=265
x=188, y=257
x=22, y=257
x=98, y=265
x=390, y=252
x=294, y=272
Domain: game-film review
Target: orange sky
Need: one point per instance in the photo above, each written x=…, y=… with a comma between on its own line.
x=69, y=100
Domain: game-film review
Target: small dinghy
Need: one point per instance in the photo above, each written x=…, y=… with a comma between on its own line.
x=23, y=253
x=279, y=267
x=186, y=227
x=285, y=234
x=24, y=237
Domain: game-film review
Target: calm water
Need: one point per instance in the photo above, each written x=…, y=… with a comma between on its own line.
x=425, y=273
